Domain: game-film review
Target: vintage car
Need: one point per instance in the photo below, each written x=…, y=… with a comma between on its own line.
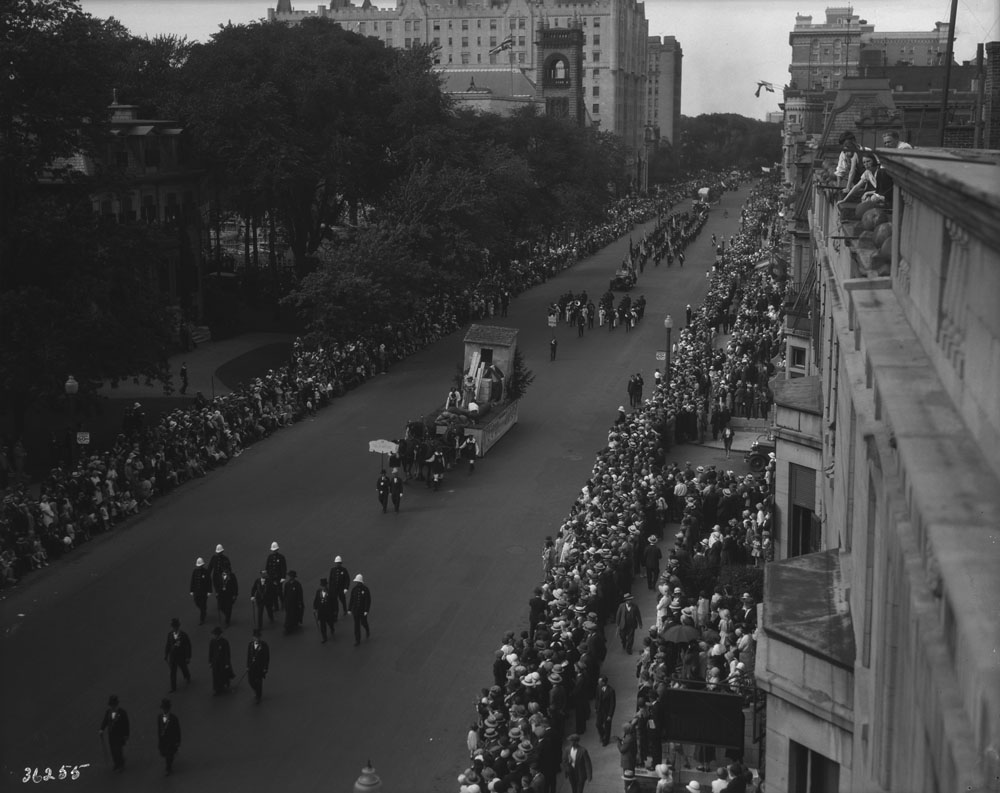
x=623, y=280
x=759, y=454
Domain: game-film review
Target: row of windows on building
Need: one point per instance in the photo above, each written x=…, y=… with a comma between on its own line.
x=465, y=41
x=415, y=25
x=124, y=210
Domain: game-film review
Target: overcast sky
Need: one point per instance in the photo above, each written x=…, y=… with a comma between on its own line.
x=728, y=44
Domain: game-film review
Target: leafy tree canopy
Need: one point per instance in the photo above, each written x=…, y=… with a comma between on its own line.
x=313, y=120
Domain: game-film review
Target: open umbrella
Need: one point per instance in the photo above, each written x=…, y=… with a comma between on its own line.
x=680, y=634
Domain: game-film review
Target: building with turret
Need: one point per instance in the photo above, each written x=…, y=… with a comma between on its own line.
x=506, y=35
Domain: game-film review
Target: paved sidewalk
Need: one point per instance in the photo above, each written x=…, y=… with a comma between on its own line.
x=202, y=363
x=620, y=667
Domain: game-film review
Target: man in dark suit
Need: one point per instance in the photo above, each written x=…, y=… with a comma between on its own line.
x=115, y=724
x=382, y=488
x=536, y=612
x=606, y=703
x=359, y=606
x=396, y=490
x=220, y=660
x=747, y=614
x=201, y=585
x=576, y=764
x=737, y=782
x=547, y=755
x=168, y=731
x=294, y=602
x=228, y=591
x=628, y=620
x=581, y=702
x=262, y=597
x=258, y=662
x=177, y=653
x=325, y=609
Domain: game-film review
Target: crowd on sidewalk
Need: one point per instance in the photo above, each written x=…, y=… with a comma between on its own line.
x=154, y=455
x=548, y=679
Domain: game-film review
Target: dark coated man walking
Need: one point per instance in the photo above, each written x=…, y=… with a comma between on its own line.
x=359, y=606
x=115, y=724
x=177, y=653
x=168, y=733
x=258, y=663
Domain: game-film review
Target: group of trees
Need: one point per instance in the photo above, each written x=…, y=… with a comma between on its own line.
x=72, y=300
x=297, y=130
x=718, y=141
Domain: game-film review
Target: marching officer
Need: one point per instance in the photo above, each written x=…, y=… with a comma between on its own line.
x=115, y=723
x=382, y=487
x=325, y=609
x=258, y=662
x=277, y=570
x=294, y=602
x=340, y=581
x=177, y=653
x=229, y=590
x=201, y=585
x=217, y=564
x=360, y=605
x=396, y=490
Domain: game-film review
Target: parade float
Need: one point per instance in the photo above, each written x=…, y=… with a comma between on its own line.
x=490, y=389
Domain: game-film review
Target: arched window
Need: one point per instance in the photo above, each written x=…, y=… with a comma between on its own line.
x=557, y=71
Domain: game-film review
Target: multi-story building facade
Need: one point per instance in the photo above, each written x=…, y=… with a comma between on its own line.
x=463, y=33
x=905, y=48
x=824, y=53
x=663, y=85
x=879, y=612
x=879, y=620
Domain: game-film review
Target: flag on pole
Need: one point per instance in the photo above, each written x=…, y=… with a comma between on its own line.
x=506, y=44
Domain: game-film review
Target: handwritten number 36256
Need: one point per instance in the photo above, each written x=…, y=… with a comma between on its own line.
x=37, y=775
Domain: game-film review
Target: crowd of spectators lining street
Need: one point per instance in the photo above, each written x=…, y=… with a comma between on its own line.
x=546, y=678
x=154, y=455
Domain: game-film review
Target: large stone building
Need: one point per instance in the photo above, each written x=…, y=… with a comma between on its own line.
x=466, y=34
x=663, y=86
x=879, y=617
x=823, y=53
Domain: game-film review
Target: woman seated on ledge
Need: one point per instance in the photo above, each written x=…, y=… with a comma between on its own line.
x=875, y=187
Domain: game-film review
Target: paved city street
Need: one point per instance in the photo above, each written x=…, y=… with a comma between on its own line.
x=449, y=575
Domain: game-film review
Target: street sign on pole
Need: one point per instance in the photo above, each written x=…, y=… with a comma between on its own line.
x=553, y=320
x=661, y=355
x=83, y=438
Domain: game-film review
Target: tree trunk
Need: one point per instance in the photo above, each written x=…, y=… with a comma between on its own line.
x=272, y=256
x=246, y=244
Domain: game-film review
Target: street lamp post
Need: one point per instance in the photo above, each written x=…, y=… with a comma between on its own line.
x=71, y=387
x=668, y=323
